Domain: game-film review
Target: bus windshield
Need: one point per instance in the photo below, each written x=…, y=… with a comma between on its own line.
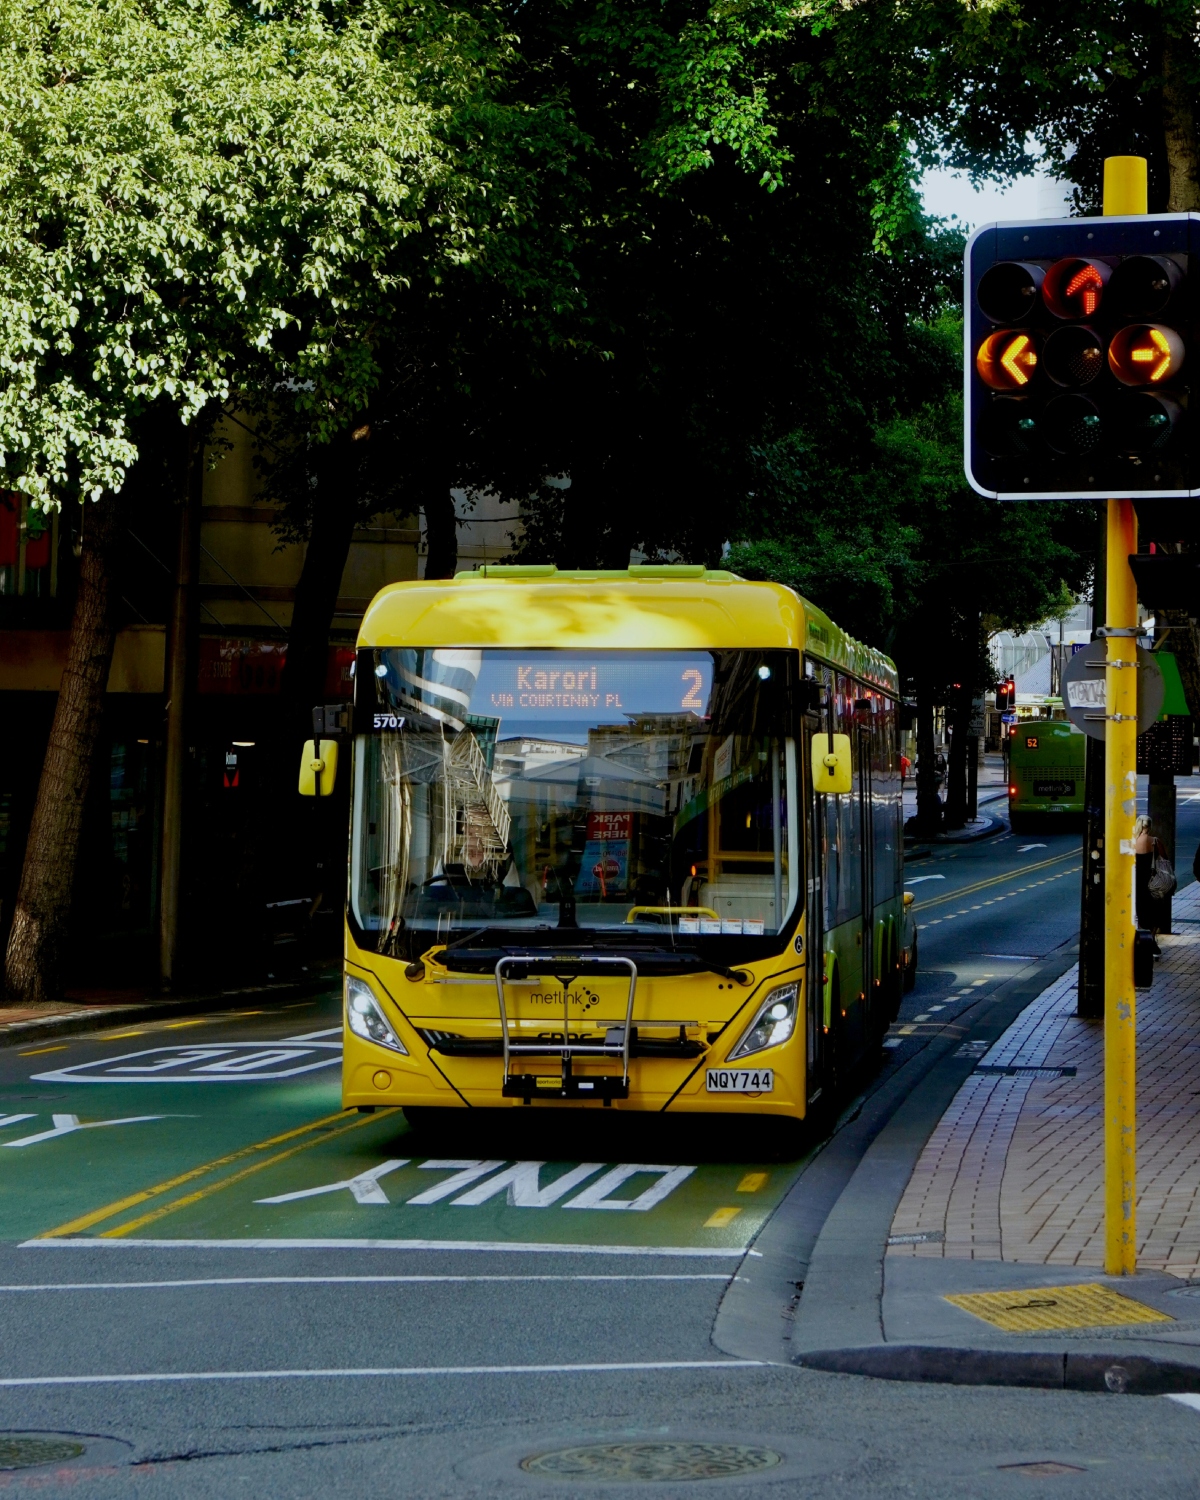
x=573, y=789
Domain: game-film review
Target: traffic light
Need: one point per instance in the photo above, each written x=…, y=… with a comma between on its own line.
x=1079, y=356
x=1006, y=695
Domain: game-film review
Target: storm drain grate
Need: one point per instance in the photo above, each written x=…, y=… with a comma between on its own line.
x=1089, y=1306
x=20, y=1452
x=1026, y=1070
x=1042, y=1468
x=647, y=1463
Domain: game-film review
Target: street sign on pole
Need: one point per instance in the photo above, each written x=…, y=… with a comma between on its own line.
x=1084, y=691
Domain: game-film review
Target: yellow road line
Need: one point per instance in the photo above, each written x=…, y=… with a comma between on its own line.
x=969, y=890
x=752, y=1182
x=721, y=1217
x=97, y=1216
x=37, y=1051
x=215, y=1187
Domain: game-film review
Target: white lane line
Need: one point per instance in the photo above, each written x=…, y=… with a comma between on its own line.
x=182, y=1376
x=489, y=1247
x=121, y=1286
x=1185, y=1398
x=314, y=1036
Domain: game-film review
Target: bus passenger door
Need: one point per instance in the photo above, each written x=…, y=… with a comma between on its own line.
x=814, y=939
x=866, y=823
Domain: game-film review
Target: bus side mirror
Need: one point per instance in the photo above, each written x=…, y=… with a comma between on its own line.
x=831, y=763
x=318, y=768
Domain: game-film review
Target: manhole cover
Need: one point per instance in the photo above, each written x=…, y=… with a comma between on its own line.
x=633, y=1463
x=19, y=1452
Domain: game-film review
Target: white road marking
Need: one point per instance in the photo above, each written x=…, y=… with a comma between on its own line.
x=487, y=1247
x=1186, y=1398
x=69, y=1124
x=123, y=1286
x=314, y=1036
x=523, y=1188
x=917, y=879
x=364, y=1188
x=1025, y=848
x=184, y=1376
x=464, y=1172
x=597, y=1196
x=203, y=1062
x=6, y=1120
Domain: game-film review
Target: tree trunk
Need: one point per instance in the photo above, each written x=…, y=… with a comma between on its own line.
x=441, y=529
x=929, y=811
x=956, y=774
x=43, y=908
x=180, y=684
x=335, y=513
x=1179, y=127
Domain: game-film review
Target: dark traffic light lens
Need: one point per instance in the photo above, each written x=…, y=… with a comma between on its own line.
x=1145, y=423
x=1073, y=287
x=1008, y=428
x=1071, y=426
x=1142, y=286
x=1008, y=292
x=1145, y=354
x=1073, y=356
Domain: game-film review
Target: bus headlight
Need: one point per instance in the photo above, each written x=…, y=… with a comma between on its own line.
x=366, y=1019
x=773, y=1023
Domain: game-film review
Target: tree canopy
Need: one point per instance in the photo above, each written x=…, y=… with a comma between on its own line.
x=207, y=198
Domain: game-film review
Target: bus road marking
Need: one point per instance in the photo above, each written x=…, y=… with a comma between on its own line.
x=363, y=1189
x=204, y=1062
x=520, y=1182
x=69, y=1124
x=753, y=1181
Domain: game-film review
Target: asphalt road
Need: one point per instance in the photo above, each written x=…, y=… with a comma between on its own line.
x=244, y=1294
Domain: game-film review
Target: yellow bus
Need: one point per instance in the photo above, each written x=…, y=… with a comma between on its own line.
x=592, y=859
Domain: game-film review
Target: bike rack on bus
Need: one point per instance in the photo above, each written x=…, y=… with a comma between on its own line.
x=526, y=1085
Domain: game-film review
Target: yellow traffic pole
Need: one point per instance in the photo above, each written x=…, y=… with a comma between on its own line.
x=1124, y=193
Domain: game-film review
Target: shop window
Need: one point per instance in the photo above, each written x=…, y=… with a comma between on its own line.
x=27, y=537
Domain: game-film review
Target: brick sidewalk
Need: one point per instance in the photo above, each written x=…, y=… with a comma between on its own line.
x=1014, y=1171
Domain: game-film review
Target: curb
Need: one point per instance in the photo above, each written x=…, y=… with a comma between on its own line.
x=80, y=1022
x=763, y=1313
x=1118, y=1373
x=842, y=1299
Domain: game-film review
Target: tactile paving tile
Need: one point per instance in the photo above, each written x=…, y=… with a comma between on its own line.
x=1088, y=1306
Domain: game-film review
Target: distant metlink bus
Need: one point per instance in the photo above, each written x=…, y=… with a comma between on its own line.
x=1045, y=770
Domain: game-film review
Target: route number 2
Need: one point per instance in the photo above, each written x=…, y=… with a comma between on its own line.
x=691, y=699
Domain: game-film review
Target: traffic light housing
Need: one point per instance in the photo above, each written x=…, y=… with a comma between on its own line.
x=1080, y=352
x=1006, y=696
